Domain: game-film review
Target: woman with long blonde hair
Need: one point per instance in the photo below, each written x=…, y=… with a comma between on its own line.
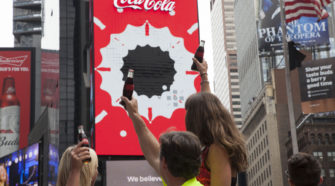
x=224, y=150
x=72, y=171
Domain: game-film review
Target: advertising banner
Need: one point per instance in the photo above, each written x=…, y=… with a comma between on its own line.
x=317, y=86
x=306, y=31
x=50, y=90
x=157, y=39
x=131, y=172
x=15, y=100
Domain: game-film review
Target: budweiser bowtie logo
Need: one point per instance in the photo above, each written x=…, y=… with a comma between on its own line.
x=14, y=61
x=162, y=5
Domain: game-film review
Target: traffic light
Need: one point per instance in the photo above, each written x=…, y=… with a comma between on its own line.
x=295, y=56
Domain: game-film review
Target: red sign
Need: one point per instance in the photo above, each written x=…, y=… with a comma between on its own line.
x=50, y=90
x=15, y=98
x=156, y=38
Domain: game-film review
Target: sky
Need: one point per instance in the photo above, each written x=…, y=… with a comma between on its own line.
x=7, y=38
x=6, y=22
x=206, y=34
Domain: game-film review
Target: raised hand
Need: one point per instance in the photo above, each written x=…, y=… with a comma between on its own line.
x=78, y=154
x=202, y=67
x=131, y=106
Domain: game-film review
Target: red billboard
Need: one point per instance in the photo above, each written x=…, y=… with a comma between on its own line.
x=156, y=38
x=50, y=90
x=15, y=100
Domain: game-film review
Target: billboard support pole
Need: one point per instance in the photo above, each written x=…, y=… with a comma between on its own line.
x=288, y=81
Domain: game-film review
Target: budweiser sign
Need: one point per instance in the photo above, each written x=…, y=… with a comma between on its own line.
x=14, y=61
x=156, y=5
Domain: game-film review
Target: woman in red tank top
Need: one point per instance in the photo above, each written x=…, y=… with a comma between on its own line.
x=224, y=153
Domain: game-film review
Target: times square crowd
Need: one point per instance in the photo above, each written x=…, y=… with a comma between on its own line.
x=211, y=152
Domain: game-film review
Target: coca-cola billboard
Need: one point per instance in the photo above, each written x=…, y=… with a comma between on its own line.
x=15, y=98
x=157, y=39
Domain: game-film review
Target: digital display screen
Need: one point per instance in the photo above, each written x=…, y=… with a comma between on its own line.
x=157, y=40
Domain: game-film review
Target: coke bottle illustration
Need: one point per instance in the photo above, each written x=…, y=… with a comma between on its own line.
x=9, y=118
x=199, y=54
x=82, y=137
x=128, y=87
x=48, y=93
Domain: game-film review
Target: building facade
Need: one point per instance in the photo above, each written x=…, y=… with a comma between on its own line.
x=224, y=55
x=316, y=136
x=249, y=67
x=266, y=129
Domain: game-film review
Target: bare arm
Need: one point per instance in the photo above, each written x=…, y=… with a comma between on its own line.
x=203, y=67
x=78, y=154
x=148, y=142
x=218, y=162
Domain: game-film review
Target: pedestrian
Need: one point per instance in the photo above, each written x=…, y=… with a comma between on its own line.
x=304, y=170
x=73, y=171
x=177, y=155
x=3, y=175
x=224, y=152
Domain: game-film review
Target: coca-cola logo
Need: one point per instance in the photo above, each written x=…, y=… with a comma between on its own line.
x=14, y=61
x=162, y=5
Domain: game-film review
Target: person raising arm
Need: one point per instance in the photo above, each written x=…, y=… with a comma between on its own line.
x=203, y=67
x=177, y=155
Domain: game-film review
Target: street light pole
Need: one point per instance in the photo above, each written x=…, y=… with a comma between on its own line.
x=288, y=81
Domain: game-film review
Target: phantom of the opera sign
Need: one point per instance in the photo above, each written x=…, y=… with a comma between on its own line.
x=157, y=39
x=306, y=31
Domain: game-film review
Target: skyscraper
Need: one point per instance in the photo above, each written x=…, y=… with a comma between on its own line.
x=226, y=76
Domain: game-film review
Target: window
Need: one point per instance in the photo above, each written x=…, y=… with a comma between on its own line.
x=318, y=155
x=332, y=173
x=319, y=139
x=327, y=139
x=265, y=125
x=313, y=138
x=263, y=128
x=237, y=116
x=233, y=77
x=236, y=109
x=331, y=156
x=323, y=173
x=236, y=96
x=233, y=70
